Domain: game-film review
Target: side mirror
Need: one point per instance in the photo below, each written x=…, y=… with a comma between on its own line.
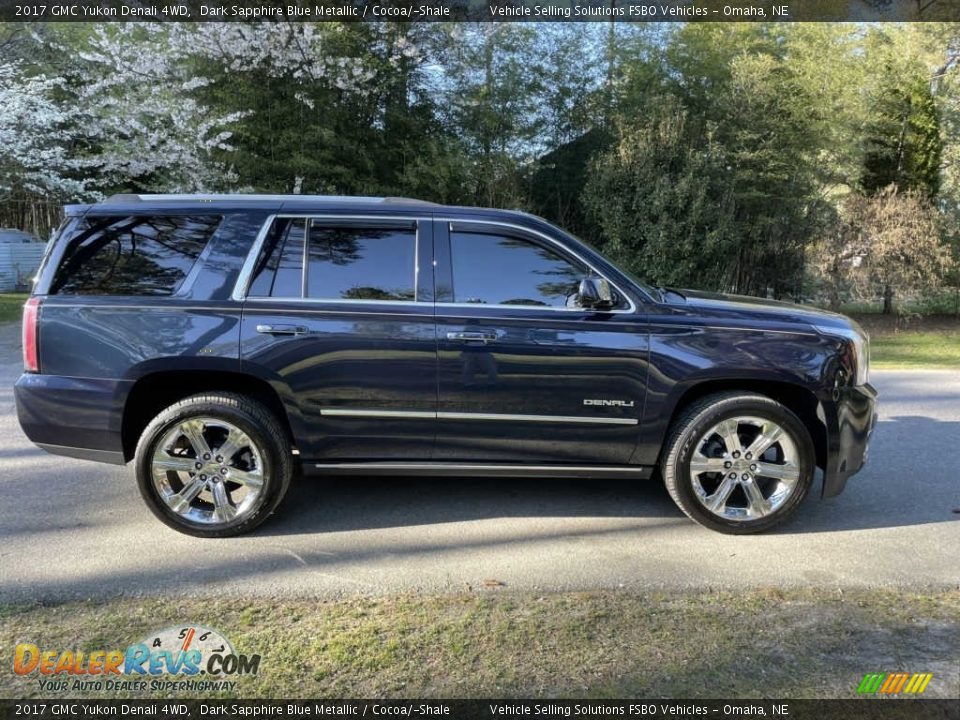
x=595, y=294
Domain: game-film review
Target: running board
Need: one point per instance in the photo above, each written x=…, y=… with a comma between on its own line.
x=641, y=472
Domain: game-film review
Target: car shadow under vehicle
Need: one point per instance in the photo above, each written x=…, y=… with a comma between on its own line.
x=895, y=489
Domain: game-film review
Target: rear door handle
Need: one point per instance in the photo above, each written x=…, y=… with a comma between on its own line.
x=472, y=337
x=281, y=329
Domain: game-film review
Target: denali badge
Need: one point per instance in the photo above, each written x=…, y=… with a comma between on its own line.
x=609, y=403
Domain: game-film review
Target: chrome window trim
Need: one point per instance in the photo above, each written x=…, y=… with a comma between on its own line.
x=341, y=301
x=534, y=308
x=160, y=307
x=304, y=261
x=242, y=287
x=552, y=241
x=443, y=415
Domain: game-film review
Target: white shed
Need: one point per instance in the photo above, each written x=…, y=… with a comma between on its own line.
x=20, y=256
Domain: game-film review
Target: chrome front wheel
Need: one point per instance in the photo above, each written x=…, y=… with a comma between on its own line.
x=738, y=462
x=744, y=468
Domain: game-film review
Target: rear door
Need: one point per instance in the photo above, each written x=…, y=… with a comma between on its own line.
x=526, y=375
x=339, y=313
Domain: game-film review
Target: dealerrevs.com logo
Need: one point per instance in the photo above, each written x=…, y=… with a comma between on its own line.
x=189, y=657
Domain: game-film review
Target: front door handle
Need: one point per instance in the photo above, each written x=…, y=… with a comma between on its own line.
x=281, y=329
x=472, y=337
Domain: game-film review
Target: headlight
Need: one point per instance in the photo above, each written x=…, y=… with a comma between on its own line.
x=859, y=343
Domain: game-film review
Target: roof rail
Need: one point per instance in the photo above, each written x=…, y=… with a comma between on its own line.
x=400, y=200
x=213, y=197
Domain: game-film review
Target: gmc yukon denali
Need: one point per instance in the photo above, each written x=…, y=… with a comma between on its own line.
x=225, y=344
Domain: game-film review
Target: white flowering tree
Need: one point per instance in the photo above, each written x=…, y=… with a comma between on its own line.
x=36, y=135
x=144, y=129
x=146, y=106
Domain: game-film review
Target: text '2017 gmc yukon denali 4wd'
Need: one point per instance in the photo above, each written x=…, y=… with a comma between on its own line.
x=221, y=343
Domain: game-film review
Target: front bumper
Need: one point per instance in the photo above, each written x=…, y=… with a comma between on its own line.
x=850, y=415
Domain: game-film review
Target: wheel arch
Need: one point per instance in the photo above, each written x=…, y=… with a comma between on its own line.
x=153, y=392
x=798, y=399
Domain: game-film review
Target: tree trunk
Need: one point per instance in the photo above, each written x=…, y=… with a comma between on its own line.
x=887, y=300
x=608, y=91
x=834, y=299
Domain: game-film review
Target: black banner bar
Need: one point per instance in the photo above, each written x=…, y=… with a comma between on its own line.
x=852, y=709
x=481, y=10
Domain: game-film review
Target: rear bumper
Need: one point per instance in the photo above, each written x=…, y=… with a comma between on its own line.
x=850, y=415
x=76, y=417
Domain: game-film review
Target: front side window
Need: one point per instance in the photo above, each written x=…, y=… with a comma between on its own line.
x=132, y=255
x=490, y=269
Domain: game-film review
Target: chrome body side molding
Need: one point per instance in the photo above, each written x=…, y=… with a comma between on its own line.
x=496, y=417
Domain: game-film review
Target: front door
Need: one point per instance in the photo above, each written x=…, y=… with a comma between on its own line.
x=525, y=374
x=339, y=314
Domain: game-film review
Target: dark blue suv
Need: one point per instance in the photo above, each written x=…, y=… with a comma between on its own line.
x=226, y=343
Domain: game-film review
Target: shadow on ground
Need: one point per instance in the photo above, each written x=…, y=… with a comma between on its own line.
x=895, y=489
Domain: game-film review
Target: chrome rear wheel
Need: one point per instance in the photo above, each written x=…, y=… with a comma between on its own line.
x=214, y=465
x=208, y=470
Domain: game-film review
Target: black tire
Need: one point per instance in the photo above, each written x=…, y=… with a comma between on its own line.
x=697, y=420
x=261, y=427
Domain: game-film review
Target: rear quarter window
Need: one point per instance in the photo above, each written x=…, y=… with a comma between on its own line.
x=136, y=255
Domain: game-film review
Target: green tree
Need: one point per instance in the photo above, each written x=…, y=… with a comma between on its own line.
x=716, y=179
x=903, y=140
x=493, y=79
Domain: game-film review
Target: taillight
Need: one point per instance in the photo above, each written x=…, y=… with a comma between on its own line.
x=31, y=314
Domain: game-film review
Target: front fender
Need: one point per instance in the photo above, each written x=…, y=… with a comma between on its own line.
x=688, y=360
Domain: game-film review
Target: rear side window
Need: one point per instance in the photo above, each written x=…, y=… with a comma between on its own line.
x=281, y=272
x=344, y=261
x=361, y=263
x=132, y=255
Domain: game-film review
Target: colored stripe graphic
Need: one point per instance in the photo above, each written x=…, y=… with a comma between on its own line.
x=870, y=683
x=894, y=683
x=921, y=682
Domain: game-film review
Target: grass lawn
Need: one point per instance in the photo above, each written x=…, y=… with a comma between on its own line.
x=500, y=643
x=927, y=342
x=917, y=350
x=11, y=306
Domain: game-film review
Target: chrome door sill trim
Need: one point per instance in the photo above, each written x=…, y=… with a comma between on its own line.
x=480, y=469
